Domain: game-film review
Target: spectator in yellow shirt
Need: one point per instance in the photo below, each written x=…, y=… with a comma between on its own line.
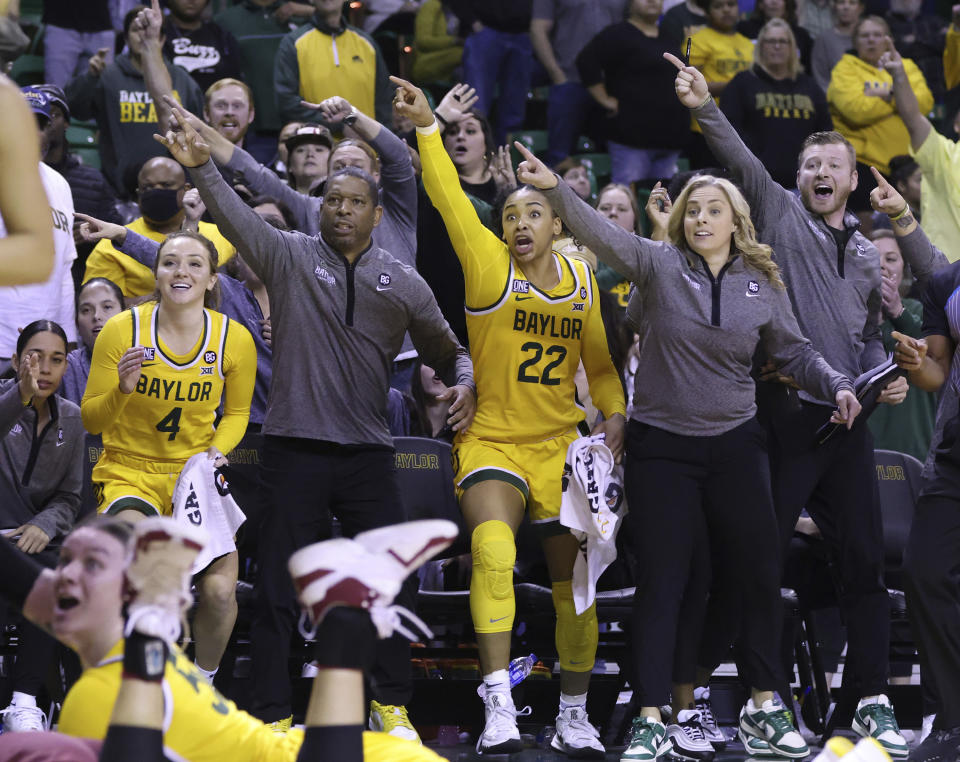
x=864, y=109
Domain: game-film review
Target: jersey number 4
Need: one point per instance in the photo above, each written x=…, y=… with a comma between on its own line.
x=536, y=349
x=170, y=423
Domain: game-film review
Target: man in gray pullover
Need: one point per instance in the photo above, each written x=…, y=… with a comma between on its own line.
x=833, y=275
x=340, y=308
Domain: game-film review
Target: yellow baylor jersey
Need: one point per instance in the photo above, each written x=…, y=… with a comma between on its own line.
x=170, y=414
x=134, y=278
x=199, y=724
x=526, y=344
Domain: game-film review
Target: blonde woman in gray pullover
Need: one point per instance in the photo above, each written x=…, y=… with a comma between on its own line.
x=709, y=297
x=833, y=273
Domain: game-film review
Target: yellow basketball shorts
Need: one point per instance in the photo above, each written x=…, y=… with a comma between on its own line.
x=535, y=470
x=125, y=482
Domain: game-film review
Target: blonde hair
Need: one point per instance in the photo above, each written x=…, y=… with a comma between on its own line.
x=757, y=255
x=779, y=25
x=226, y=82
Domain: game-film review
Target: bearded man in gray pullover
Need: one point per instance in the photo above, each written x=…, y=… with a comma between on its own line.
x=832, y=273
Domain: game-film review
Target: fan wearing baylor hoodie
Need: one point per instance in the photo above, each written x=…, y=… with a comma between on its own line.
x=124, y=111
x=832, y=274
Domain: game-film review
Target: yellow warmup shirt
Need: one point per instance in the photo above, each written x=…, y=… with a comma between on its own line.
x=526, y=343
x=199, y=724
x=871, y=124
x=939, y=159
x=169, y=416
x=718, y=56
x=951, y=58
x=135, y=279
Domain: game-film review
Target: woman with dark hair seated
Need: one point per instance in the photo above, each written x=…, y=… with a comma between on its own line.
x=98, y=300
x=41, y=471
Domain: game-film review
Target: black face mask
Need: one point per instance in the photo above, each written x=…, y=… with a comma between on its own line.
x=160, y=204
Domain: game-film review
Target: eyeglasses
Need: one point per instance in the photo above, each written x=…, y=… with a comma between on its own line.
x=776, y=41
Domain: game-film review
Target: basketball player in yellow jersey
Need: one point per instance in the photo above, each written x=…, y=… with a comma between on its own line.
x=156, y=379
x=532, y=316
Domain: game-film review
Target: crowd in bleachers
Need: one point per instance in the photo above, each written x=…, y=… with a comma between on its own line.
x=286, y=163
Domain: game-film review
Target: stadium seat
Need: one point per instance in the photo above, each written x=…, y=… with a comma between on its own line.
x=534, y=141
x=82, y=135
x=598, y=164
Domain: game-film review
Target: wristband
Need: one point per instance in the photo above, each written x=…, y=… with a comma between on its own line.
x=443, y=122
x=902, y=213
x=144, y=657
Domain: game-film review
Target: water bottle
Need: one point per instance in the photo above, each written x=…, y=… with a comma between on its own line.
x=518, y=670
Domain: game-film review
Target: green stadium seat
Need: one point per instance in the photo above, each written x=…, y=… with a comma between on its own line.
x=28, y=70
x=82, y=135
x=534, y=141
x=89, y=156
x=598, y=164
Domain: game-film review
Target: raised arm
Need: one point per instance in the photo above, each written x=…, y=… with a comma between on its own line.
x=149, y=22
x=628, y=254
x=27, y=251
x=905, y=99
x=397, y=178
x=260, y=241
x=763, y=194
x=114, y=370
x=475, y=245
x=918, y=251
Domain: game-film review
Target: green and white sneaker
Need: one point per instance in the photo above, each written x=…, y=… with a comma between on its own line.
x=773, y=724
x=874, y=718
x=646, y=741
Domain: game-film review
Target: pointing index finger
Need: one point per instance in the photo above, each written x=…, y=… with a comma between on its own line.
x=881, y=180
x=675, y=61
x=524, y=151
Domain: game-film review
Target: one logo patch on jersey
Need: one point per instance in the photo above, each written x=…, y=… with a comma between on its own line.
x=326, y=277
x=578, y=307
x=206, y=370
x=614, y=496
x=520, y=286
x=223, y=487
x=753, y=288
x=149, y=353
x=210, y=357
x=17, y=429
x=384, y=279
x=583, y=292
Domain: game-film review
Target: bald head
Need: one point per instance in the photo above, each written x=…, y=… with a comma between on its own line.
x=160, y=172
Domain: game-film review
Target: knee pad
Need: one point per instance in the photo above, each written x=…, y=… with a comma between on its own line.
x=494, y=552
x=576, y=636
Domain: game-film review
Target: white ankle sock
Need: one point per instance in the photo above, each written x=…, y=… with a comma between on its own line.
x=207, y=674
x=567, y=701
x=23, y=699
x=497, y=681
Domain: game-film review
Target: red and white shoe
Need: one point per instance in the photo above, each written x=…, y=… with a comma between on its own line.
x=158, y=577
x=367, y=572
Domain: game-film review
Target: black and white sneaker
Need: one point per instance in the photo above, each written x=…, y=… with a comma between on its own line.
x=688, y=738
x=711, y=731
x=939, y=746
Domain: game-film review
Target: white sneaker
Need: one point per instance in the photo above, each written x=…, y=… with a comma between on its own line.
x=19, y=719
x=874, y=718
x=575, y=736
x=158, y=577
x=344, y=572
x=500, y=734
x=926, y=727
x=708, y=722
x=689, y=740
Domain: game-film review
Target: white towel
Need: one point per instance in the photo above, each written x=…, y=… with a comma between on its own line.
x=592, y=506
x=202, y=498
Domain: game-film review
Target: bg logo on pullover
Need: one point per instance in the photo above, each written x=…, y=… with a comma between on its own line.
x=137, y=106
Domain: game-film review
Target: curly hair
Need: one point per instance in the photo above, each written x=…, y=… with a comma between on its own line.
x=757, y=255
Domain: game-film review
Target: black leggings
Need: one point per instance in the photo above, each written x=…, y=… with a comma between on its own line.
x=677, y=487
